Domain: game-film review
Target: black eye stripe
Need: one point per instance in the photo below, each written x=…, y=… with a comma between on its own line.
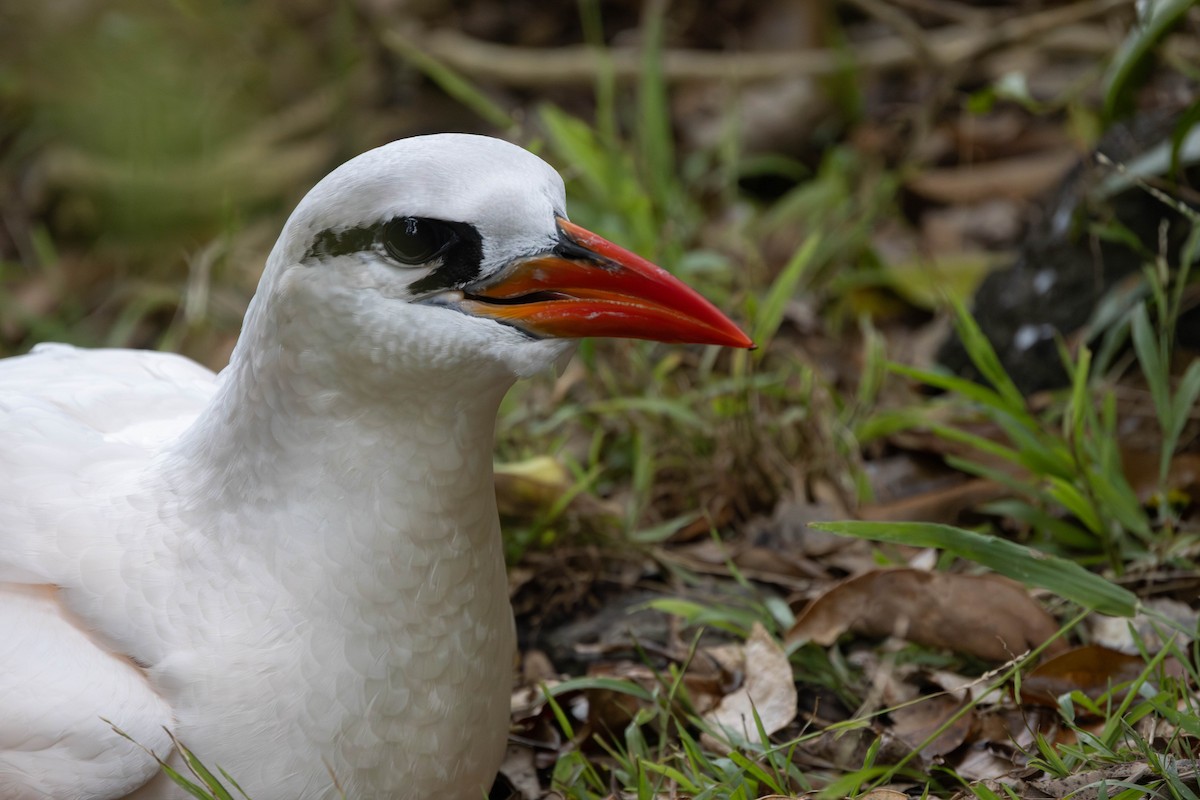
x=413, y=240
x=341, y=242
x=410, y=241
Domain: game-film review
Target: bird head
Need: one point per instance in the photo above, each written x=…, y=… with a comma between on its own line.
x=453, y=252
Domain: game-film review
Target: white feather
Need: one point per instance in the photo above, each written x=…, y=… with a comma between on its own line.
x=292, y=565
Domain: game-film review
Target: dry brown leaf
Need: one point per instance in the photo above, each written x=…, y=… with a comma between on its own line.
x=707, y=681
x=769, y=691
x=611, y=711
x=519, y=768
x=758, y=563
x=535, y=675
x=984, y=763
x=730, y=658
x=713, y=673
x=884, y=793
x=1001, y=739
x=987, y=616
x=1086, y=785
x=1017, y=728
x=769, y=561
x=916, y=722
x=1141, y=470
x=537, y=669
x=1091, y=669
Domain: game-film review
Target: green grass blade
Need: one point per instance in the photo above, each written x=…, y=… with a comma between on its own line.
x=1024, y=564
x=657, y=406
x=450, y=81
x=1113, y=493
x=1058, y=530
x=654, y=121
x=950, y=383
x=1181, y=408
x=1076, y=413
x=576, y=144
x=606, y=84
x=770, y=314
x=672, y=774
x=1123, y=73
x=984, y=357
x=1017, y=483
x=235, y=784
x=1036, y=451
x=604, y=684
x=760, y=774
x=1145, y=344
x=214, y=785
x=185, y=784
x=1067, y=494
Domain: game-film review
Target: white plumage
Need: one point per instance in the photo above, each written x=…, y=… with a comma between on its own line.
x=294, y=566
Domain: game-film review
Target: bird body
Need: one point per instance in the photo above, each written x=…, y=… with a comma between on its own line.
x=295, y=567
x=325, y=580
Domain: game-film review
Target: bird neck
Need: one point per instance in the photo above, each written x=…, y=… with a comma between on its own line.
x=291, y=433
x=337, y=533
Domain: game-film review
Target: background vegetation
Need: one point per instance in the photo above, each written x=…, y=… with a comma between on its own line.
x=841, y=176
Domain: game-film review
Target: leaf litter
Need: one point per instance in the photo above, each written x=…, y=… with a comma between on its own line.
x=829, y=633
x=986, y=616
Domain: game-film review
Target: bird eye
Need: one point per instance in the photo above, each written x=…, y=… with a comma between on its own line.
x=412, y=240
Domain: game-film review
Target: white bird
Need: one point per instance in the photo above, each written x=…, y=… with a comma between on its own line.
x=295, y=566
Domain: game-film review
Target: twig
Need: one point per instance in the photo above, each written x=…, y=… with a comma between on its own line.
x=947, y=9
x=904, y=26
x=578, y=64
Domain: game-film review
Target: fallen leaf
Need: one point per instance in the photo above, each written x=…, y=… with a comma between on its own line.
x=536, y=668
x=713, y=673
x=527, y=488
x=519, y=769
x=916, y=722
x=1141, y=470
x=769, y=565
x=884, y=794
x=1145, y=630
x=768, y=691
x=987, y=616
x=536, y=674
x=982, y=762
x=1086, y=785
x=609, y=711
x=1091, y=669
x=1000, y=740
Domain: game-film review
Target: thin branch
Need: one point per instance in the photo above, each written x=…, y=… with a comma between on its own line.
x=904, y=26
x=578, y=64
x=947, y=9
